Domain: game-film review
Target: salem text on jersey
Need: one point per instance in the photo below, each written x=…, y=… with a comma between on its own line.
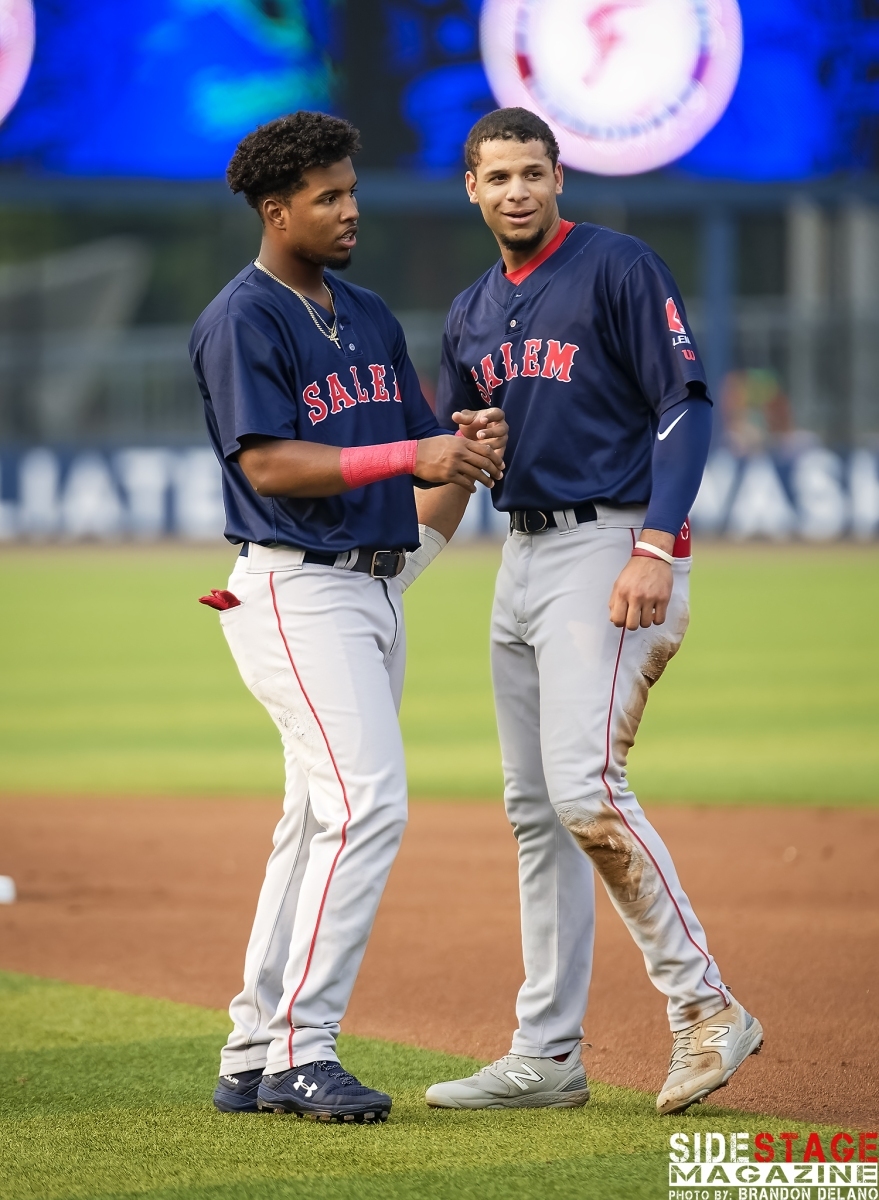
x=339, y=398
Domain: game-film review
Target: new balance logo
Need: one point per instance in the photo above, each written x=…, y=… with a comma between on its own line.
x=308, y=1088
x=523, y=1077
x=718, y=1035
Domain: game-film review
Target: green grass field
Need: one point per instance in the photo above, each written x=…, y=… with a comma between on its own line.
x=113, y=680
x=104, y=1095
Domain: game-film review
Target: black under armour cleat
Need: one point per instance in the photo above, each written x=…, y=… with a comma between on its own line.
x=323, y=1091
x=237, y=1093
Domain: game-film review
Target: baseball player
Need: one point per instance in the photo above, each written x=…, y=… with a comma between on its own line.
x=319, y=424
x=579, y=334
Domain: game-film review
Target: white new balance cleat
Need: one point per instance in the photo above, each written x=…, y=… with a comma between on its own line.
x=704, y=1057
x=517, y=1082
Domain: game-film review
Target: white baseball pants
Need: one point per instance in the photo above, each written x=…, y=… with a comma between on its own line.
x=570, y=689
x=324, y=650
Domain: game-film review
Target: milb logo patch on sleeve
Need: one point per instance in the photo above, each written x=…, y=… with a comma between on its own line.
x=677, y=329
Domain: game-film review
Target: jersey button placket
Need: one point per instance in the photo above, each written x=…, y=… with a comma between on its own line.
x=514, y=329
x=514, y=312
x=347, y=335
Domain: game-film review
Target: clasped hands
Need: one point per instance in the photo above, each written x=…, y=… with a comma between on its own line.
x=477, y=456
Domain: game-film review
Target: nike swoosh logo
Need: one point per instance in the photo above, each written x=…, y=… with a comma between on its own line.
x=663, y=436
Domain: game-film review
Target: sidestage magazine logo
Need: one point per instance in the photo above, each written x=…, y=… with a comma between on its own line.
x=782, y=1166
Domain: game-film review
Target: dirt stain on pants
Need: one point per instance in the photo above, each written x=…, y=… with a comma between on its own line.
x=605, y=837
x=615, y=853
x=627, y=718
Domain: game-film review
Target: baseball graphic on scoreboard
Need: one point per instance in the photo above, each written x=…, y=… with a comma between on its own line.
x=627, y=85
x=16, y=50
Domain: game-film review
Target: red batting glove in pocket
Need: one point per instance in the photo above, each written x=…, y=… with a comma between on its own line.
x=220, y=600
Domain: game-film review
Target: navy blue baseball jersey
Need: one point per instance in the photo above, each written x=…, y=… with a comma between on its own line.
x=264, y=368
x=584, y=355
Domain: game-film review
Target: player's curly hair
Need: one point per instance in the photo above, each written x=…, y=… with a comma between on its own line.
x=273, y=159
x=512, y=125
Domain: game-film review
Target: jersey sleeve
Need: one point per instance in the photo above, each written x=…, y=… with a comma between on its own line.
x=655, y=336
x=679, y=456
x=249, y=383
x=453, y=389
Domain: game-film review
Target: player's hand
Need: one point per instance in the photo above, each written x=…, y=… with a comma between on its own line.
x=641, y=594
x=458, y=460
x=488, y=426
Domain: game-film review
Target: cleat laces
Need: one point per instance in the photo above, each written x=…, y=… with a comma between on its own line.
x=685, y=1044
x=336, y=1071
x=493, y=1067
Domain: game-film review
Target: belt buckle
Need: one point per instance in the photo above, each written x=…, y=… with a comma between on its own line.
x=522, y=525
x=387, y=564
x=519, y=521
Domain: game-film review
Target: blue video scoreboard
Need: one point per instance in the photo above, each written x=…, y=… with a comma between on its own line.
x=807, y=99
x=164, y=87
x=167, y=87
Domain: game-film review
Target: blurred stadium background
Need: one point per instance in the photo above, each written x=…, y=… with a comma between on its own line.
x=116, y=228
x=117, y=119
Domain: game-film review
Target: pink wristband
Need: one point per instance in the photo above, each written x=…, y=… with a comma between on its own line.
x=361, y=465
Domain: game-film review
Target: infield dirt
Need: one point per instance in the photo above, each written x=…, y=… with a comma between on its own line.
x=156, y=897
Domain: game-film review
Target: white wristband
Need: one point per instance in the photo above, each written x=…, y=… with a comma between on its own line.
x=655, y=551
x=416, y=560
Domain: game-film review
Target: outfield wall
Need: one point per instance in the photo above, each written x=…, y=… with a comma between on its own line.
x=137, y=492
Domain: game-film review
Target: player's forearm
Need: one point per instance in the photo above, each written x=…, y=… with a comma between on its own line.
x=302, y=469
x=678, y=462
x=285, y=467
x=442, y=508
x=306, y=470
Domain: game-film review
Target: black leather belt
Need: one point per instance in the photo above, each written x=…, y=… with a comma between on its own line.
x=380, y=564
x=535, y=520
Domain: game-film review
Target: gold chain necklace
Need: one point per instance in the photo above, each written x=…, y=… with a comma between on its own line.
x=330, y=332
